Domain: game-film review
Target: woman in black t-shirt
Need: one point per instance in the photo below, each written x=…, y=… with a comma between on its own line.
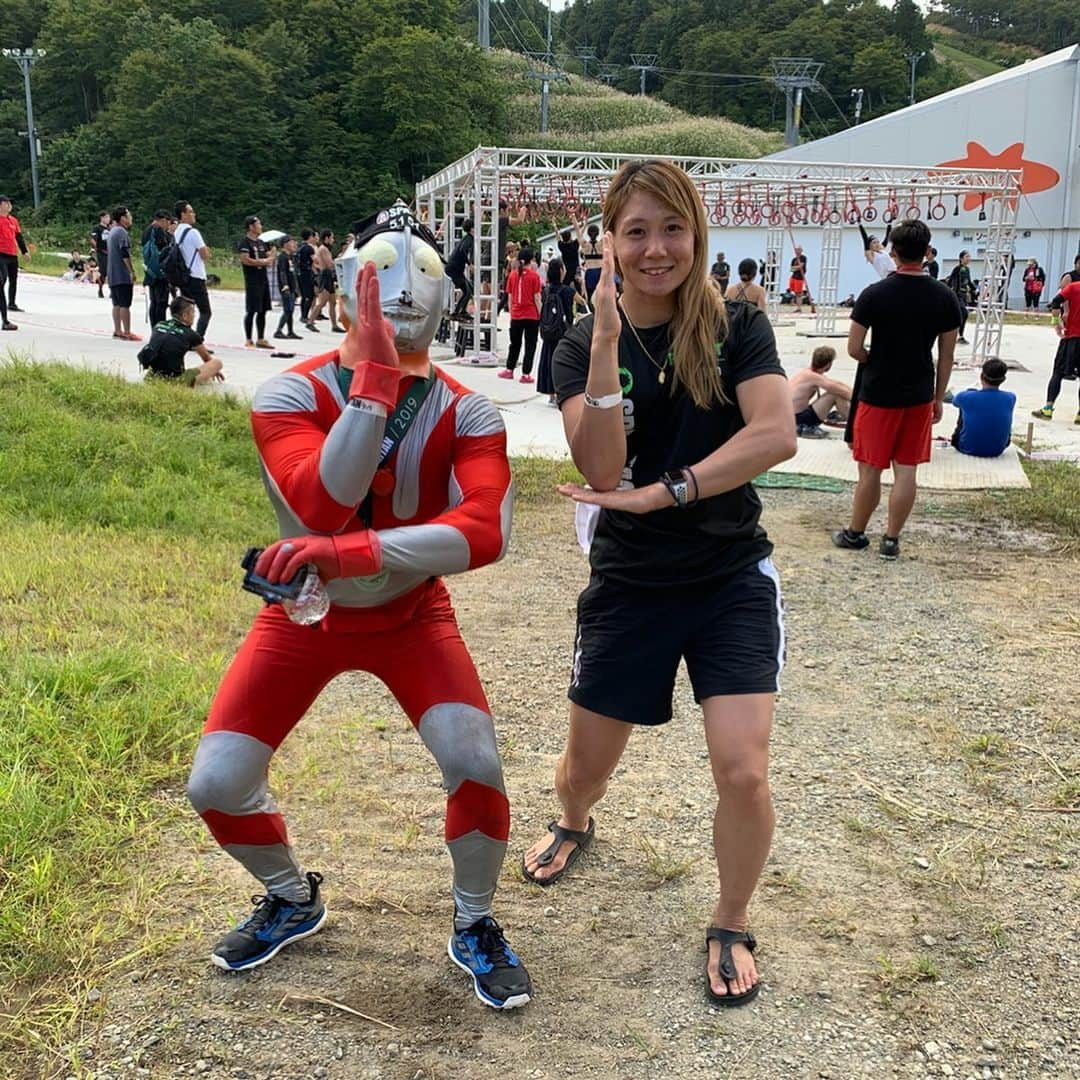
x=672, y=403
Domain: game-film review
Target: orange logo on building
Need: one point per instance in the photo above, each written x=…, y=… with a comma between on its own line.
x=1034, y=175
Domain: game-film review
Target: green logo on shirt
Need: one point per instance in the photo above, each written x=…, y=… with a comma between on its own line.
x=626, y=381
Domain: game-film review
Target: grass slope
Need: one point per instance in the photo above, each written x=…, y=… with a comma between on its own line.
x=586, y=115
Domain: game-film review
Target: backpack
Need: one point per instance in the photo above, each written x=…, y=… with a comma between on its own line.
x=552, y=320
x=171, y=262
x=151, y=257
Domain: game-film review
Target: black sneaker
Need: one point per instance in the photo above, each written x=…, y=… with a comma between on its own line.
x=845, y=538
x=280, y=335
x=811, y=431
x=275, y=923
x=8, y=326
x=889, y=549
x=14, y=307
x=312, y=328
x=961, y=341
x=294, y=337
x=499, y=977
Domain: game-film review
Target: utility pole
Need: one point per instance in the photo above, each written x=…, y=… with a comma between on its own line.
x=643, y=62
x=25, y=58
x=545, y=75
x=793, y=75
x=585, y=54
x=913, y=60
x=857, y=94
x=483, y=27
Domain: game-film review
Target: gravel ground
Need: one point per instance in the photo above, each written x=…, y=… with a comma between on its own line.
x=917, y=917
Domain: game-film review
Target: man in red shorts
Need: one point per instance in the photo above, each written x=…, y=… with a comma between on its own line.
x=900, y=395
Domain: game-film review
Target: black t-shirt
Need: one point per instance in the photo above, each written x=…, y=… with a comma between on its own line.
x=304, y=254
x=78, y=265
x=285, y=276
x=708, y=541
x=721, y=270
x=100, y=233
x=905, y=313
x=932, y=269
x=570, y=252
x=254, y=276
x=168, y=345
x=461, y=256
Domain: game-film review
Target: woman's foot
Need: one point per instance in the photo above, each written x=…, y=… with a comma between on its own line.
x=540, y=864
x=746, y=973
x=526, y=379
x=506, y=373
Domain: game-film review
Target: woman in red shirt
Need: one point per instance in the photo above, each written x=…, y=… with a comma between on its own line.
x=524, y=288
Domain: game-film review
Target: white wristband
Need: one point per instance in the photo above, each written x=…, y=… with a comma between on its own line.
x=608, y=401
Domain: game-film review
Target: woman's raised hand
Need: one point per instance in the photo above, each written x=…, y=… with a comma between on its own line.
x=606, y=322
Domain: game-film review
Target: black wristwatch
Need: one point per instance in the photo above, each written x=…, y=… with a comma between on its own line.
x=678, y=483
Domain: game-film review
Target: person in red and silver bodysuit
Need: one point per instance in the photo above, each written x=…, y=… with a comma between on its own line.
x=386, y=474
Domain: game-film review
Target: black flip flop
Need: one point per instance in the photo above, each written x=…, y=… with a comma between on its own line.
x=727, y=938
x=582, y=838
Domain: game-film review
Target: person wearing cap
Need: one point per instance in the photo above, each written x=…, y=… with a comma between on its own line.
x=255, y=257
x=12, y=245
x=159, y=232
x=287, y=288
x=385, y=474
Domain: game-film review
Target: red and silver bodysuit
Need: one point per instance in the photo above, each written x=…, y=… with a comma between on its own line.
x=449, y=510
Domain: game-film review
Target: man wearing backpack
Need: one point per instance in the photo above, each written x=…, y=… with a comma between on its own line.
x=155, y=239
x=195, y=254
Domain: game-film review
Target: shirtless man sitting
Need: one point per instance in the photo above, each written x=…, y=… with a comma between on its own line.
x=814, y=395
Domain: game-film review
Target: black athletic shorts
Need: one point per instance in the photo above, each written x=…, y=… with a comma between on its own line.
x=630, y=641
x=327, y=281
x=807, y=417
x=121, y=295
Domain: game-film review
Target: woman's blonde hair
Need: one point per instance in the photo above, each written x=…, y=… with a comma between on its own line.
x=700, y=318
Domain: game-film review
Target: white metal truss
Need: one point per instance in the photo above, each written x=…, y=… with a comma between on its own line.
x=774, y=194
x=774, y=250
x=828, y=280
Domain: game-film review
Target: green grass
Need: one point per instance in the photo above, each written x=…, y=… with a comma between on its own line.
x=974, y=66
x=124, y=509
x=1052, y=504
x=586, y=115
x=226, y=268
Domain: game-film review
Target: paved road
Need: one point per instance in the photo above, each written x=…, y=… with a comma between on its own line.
x=66, y=321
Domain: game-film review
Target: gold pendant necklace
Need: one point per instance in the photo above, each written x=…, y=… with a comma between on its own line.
x=637, y=337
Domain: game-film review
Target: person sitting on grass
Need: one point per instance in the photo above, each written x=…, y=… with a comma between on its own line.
x=163, y=355
x=76, y=267
x=814, y=396
x=984, y=426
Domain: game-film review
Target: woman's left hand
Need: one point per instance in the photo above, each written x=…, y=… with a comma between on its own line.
x=641, y=500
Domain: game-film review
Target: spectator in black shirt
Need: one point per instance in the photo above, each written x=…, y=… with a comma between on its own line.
x=287, y=286
x=721, y=272
x=460, y=259
x=899, y=393
x=255, y=257
x=673, y=402
x=171, y=340
x=570, y=250
x=159, y=231
x=305, y=275
x=99, y=245
x=931, y=264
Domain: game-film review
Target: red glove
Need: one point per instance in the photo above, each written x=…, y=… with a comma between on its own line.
x=369, y=345
x=354, y=554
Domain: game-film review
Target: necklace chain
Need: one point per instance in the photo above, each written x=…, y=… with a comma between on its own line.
x=652, y=359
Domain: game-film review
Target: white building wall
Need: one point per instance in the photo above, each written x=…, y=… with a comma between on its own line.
x=1036, y=104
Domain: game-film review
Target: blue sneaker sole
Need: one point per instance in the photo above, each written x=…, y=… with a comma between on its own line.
x=514, y=1002
x=303, y=931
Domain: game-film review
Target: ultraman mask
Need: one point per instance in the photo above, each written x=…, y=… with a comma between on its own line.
x=413, y=286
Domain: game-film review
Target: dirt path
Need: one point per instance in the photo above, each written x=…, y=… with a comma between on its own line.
x=915, y=919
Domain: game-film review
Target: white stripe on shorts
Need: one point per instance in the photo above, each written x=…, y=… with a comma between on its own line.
x=766, y=567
